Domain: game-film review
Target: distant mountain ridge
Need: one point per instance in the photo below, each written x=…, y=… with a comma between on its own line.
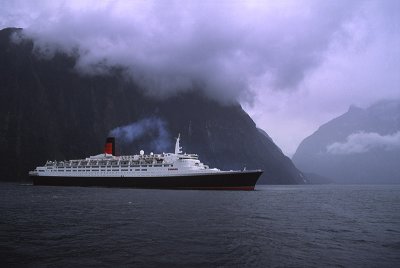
x=360, y=146
x=49, y=111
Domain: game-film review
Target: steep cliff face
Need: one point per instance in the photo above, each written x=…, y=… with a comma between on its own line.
x=360, y=146
x=49, y=111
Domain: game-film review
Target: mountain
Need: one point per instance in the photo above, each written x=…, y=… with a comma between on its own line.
x=360, y=146
x=50, y=111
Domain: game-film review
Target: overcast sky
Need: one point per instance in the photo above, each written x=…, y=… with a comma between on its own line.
x=293, y=65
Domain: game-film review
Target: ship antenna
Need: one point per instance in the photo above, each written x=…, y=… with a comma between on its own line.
x=177, y=147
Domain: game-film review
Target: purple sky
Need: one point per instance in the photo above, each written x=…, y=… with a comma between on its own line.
x=293, y=65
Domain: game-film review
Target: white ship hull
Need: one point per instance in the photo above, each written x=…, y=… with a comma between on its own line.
x=171, y=171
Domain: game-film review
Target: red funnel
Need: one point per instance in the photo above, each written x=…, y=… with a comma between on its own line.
x=109, y=147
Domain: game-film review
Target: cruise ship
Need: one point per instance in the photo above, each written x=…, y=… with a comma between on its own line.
x=160, y=171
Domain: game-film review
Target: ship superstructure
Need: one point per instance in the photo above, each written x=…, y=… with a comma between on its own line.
x=165, y=170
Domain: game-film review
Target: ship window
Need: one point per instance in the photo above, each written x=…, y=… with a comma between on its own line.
x=144, y=169
x=124, y=170
x=138, y=169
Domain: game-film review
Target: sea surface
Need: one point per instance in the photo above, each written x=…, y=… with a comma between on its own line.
x=274, y=226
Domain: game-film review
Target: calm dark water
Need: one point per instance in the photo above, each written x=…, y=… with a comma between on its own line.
x=275, y=226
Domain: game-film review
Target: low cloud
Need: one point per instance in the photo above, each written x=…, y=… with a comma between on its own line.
x=362, y=142
x=292, y=64
x=220, y=47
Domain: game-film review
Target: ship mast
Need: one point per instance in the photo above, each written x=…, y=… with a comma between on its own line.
x=177, y=147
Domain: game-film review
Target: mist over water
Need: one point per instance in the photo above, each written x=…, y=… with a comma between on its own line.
x=274, y=226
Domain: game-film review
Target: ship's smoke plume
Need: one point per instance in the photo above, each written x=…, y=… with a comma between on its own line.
x=151, y=130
